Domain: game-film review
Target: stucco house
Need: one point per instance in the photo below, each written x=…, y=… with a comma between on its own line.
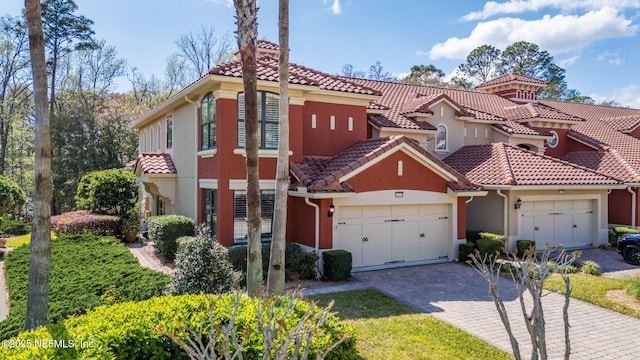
x=394, y=173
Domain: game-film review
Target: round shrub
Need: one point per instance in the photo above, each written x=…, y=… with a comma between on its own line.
x=202, y=266
x=113, y=191
x=590, y=267
x=164, y=231
x=136, y=330
x=306, y=267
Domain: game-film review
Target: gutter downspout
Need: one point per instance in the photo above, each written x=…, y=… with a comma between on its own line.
x=195, y=104
x=505, y=222
x=317, y=223
x=633, y=205
x=469, y=200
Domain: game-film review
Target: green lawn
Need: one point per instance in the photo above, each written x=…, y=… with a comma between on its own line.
x=389, y=329
x=593, y=289
x=21, y=240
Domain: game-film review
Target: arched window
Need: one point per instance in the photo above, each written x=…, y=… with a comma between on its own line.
x=268, y=120
x=441, y=138
x=554, y=140
x=208, y=122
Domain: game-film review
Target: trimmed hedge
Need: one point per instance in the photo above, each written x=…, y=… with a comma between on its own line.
x=86, y=271
x=84, y=222
x=15, y=227
x=615, y=232
x=473, y=235
x=164, y=231
x=523, y=245
x=337, y=264
x=466, y=249
x=133, y=330
x=490, y=243
x=113, y=191
x=292, y=254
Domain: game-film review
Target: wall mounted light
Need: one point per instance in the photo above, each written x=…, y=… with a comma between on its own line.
x=517, y=204
x=332, y=209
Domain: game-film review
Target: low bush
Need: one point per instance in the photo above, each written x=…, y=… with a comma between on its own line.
x=473, y=235
x=238, y=257
x=292, y=253
x=490, y=243
x=590, y=267
x=202, y=265
x=337, y=264
x=615, y=232
x=561, y=269
x=522, y=246
x=466, y=249
x=84, y=222
x=15, y=227
x=633, y=287
x=164, y=231
x=306, y=267
x=138, y=330
x=86, y=271
x=12, y=197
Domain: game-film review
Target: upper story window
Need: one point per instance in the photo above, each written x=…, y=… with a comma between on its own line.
x=441, y=137
x=208, y=122
x=268, y=120
x=169, y=132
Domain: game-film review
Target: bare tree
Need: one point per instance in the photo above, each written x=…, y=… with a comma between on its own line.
x=40, y=257
x=529, y=274
x=247, y=20
x=203, y=50
x=275, y=280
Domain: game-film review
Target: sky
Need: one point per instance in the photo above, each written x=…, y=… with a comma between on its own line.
x=595, y=41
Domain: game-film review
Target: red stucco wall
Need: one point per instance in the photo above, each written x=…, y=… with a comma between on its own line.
x=324, y=141
x=620, y=207
x=563, y=143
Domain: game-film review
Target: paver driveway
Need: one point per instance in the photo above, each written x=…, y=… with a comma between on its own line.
x=458, y=295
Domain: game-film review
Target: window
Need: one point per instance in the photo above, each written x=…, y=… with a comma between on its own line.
x=210, y=216
x=208, y=122
x=240, y=229
x=441, y=137
x=554, y=140
x=159, y=205
x=268, y=120
x=169, y=132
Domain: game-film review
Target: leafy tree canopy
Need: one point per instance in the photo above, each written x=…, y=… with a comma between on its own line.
x=11, y=195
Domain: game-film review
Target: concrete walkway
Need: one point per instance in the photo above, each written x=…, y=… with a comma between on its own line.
x=458, y=295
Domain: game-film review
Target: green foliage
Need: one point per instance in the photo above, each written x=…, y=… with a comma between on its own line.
x=12, y=197
x=202, y=266
x=617, y=231
x=473, y=235
x=113, y=191
x=238, y=257
x=522, y=246
x=590, y=267
x=83, y=269
x=164, y=231
x=133, y=330
x=633, y=287
x=466, y=249
x=490, y=243
x=561, y=269
x=306, y=265
x=83, y=222
x=292, y=253
x=15, y=227
x=337, y=264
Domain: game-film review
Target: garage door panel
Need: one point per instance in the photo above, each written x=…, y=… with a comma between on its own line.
x=373, y=212
x=376, y=247
x=563, y=230
x=433, y=245
x=405, y=240
x=350, y=239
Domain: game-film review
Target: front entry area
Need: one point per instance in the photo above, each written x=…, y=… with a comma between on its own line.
x=393, y=234
x=569, y=223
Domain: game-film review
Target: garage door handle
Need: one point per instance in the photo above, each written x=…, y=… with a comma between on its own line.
x=535, y=228
x=365, y=239
x=575, y=226
x=421, y=234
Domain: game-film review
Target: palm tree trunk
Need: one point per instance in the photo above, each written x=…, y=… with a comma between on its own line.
x=246, y=17
x=276, y=278
x=40, y=257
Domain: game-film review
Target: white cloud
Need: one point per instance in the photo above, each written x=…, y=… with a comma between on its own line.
x=556, y=34
x=227, y=3
x=336, y=9
x=625, y=96
x=492, y=8
x=610, y=57
x=568, y=61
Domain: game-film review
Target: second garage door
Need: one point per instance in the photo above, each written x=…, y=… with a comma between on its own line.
x=378, y=235
x=562, y=222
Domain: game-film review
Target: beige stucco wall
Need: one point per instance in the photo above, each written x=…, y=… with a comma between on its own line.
x=184, y=158
x=486, y=213
x=480, y=134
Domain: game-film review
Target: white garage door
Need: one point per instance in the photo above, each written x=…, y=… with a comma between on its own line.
x=378, y=235
x=563, y=222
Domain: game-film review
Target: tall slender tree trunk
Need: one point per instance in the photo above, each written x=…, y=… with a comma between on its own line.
x=275, y=280
x=40, y=257
x=246, y=16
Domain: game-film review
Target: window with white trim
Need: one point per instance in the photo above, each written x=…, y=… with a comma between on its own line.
x=240, y=228
x=169, y=132
x=210, y=215
x=208, y=122
x=268, y=120
x=441, y=138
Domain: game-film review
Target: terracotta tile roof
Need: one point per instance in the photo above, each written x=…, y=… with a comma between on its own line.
x=509, y=77
x=607, y=161
x=625, y=124
x=589, y=111
x=322, y=174
x=267, y=70
x=538, y=111
x=504, y=164
x=516, y=128
x=268, y=45
x=376, y=106
x=155, y=163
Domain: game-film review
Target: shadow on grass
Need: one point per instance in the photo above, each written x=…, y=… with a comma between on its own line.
x=363, y=304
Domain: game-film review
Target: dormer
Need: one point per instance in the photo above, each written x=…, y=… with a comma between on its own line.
x=420, y=107
x=512, y=86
